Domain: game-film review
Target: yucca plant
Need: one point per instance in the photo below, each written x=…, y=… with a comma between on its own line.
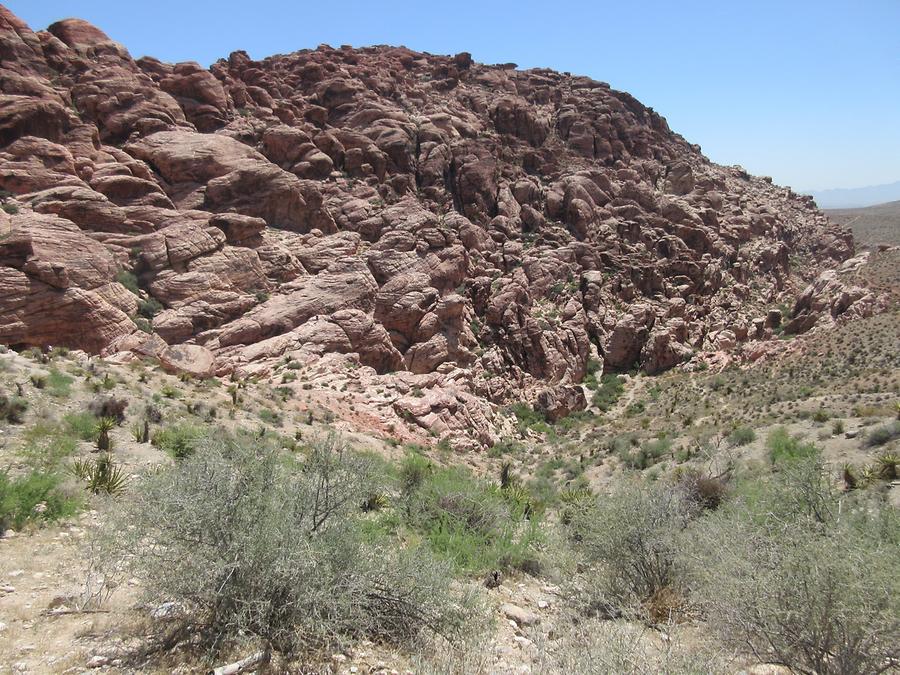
x=81, y=468
x=868, y=474
x=140, y=431
x=519, y=499
x=888, y=464
x=104, y=426
x=101, y=475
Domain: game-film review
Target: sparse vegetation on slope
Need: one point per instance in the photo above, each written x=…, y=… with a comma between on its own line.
x=273, y=549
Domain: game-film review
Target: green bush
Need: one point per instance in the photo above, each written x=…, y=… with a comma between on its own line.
x=82, y=425
x=272, y=550
x=784, y=448
x=529, y=418
x=149, y=308
x=592, y=367
x=504, y=447
x=636, y=408
x=477, y=526
x=741, y=436
x=179, y=440
x=168, y=391
x=821, y=416
x=34, y=497
x=630, y=541
x=128, y=280
x=59, y=384
x=413, y=472
x=646, y=455
x=270, y=417
x=608, y=391
x=797, y=574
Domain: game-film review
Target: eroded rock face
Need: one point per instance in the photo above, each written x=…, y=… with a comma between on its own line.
x=482, y=229
x=830, y=298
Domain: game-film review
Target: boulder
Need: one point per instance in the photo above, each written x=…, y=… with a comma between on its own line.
x=192, y=360
x=560, y=401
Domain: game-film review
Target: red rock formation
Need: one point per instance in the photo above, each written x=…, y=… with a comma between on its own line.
x=489, y=227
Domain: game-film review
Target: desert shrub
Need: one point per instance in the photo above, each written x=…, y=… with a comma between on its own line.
x=179, y=440
x=796, y=574
x=505, y=446
x=597, y=646
x=59, y=384
x=35, y=497
x=630, y=541
x=646, y=455
x=475, y=525
x=529, y=418
x=592, y=367
x=12, y=408
x=883, y=434
x=150, y=307
x=128, y=280
x=109, y=406
x=59, y=352
x=168, y=391
x=821, y=416
x=413, y=472
x=837, y=427
x=635, y=408
x=708, y=492
x=152, y=413
x=269, y=416
x=741, y=436
x=608, y=391
x=784, y=448
x=81, y=425
x=272, y=551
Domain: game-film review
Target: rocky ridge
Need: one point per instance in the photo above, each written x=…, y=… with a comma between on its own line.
x=451, y=235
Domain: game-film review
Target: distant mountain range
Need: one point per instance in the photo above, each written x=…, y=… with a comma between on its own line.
x=849, y=198
x=872, y=225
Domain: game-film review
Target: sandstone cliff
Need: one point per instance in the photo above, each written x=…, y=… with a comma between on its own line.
x=479, y=232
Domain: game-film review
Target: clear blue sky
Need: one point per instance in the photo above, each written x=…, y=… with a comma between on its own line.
x=805, y=91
